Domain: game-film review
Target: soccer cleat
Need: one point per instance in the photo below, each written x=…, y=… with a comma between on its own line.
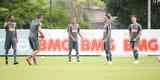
x=136, y=62
x=15, y=63
x=70, y=62
x=28, y=61
x=109, y=62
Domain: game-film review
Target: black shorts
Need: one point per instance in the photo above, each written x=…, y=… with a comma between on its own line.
x=10, y=41
x=134, y=44
x=73, y=45
x=107, y=45
x=34, y=43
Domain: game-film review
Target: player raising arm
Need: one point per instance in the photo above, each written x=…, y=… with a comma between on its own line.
x=107, y=38
x=11, y=37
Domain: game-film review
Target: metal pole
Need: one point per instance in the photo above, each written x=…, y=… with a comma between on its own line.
x=149, y=14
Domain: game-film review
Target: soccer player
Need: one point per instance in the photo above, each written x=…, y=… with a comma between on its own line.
x=73, y=32
x=35, y=30
x=134, y=34
x=107, y=38
x=11, y=37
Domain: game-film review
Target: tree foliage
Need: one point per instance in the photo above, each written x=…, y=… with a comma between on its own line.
x=124, y=8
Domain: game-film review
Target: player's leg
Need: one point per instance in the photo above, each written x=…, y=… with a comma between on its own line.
x=36, y=51
x=70, y=50
x=109, y=51
x=77, y=51
x=107, y=48
x=107, y=56
x=34, y=54
x=136, y=55
x=29, y=57
x=132, y=46
x=106, y=51
x=7, y=47
x=77, y=54
x=135, y=51
x=34, y=47
x=32, y=57
x=14, y=55
x=28, y=60
x=14, y=46
x=70, y=54
x=110, y=56
x=6, y=56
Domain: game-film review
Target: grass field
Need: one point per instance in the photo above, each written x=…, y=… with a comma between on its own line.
x=90, y=68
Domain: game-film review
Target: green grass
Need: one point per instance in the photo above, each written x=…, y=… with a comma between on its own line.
x=90, y=68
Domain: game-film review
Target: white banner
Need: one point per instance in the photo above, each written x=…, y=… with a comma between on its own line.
x=56, y=42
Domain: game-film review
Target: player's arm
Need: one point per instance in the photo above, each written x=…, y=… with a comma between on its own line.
x=139, y=32
x=79, y=32
x=107, y=36
x=16, y=33
x=104, y=34
x=6, y=26
x=104, y=37
x=40, y=31
x=129, y=29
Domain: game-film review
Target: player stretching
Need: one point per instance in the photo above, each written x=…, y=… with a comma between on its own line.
x=35, y=28
x=73, y=30
x=107, y=38
x=11, y=37
x=135, y=33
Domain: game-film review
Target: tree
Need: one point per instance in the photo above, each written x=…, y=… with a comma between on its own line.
x=23, y=10
x=155, y=14
x=124, y=8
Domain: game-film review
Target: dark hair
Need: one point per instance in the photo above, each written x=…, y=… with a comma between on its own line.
x=39, y=16
x=134, y=16
x=9, y=18
x=108, y=16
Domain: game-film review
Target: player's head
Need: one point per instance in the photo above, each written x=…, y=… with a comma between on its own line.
x=9, y=18
x=40, y=17
x=133, y=18
x=73, y=20
x=107, y=18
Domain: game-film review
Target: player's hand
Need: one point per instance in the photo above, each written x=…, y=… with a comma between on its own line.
x=16, y=40
x=74, y=39
x=42, y=36
x=82, y=37
x=104, y=40
x=7, y=28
